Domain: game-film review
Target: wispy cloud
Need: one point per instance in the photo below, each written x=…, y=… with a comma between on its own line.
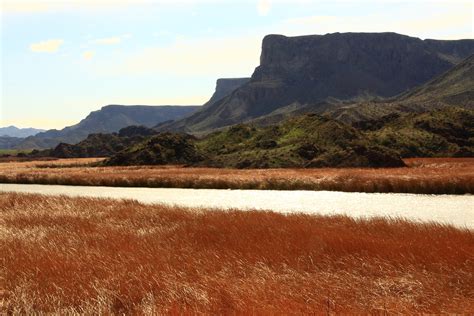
x=218, y=57
x=453, y=23
x=48, y=46
x=108, y=41
x=264, y=7
x=87, y=55
x=111, y=40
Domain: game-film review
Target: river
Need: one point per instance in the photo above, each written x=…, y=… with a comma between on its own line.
x=457, y=210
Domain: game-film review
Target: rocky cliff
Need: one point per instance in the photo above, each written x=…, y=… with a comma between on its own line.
x=309, y=69
x=225, y=86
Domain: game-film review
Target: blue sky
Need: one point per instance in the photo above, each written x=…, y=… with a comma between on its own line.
x=62, y=59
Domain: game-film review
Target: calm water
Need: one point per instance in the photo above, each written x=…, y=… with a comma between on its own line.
x=457, y=210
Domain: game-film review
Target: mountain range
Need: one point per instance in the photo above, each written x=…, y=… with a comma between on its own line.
x=108, y=119
x=14, y=131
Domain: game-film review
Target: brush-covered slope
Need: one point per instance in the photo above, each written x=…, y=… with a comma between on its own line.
x=296, y=71
x=447, y=132
x=305, y=141
x=102, y=145
x=161, y=149
x=108, y=119
x=455, y=87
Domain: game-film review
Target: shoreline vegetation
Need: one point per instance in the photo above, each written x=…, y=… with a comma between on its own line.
x=94, y=256
x=422, y=176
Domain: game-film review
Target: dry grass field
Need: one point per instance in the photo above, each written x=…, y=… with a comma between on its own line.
x=93, y=256
x=424, y=175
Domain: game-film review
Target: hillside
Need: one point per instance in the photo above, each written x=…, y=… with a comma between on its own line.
x=305, y=141
x=307, y=70
x=14, y=131
x=8, y=142
x=455, y=87
x=101, y=144
x=448, y=132
x=108, y=119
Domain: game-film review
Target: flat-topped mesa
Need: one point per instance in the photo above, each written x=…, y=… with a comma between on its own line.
x=309, y=70
x=225, y=86
x=384, y=64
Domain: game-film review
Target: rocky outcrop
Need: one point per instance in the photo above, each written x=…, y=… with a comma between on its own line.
x=225, y=86
x=308, y=69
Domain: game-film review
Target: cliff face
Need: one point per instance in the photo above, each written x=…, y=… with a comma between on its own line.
x=225, y=86
x=309, y=69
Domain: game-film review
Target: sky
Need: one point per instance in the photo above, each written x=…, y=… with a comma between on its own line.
x=61, y=60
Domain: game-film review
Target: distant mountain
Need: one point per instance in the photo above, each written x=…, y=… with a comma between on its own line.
x=224, y=87
x=14, y=131
x=108, y=119
x=306, y=71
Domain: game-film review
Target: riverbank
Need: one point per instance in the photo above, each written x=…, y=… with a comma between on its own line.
x=443, y=209
x=422, y=176
x=95, y=256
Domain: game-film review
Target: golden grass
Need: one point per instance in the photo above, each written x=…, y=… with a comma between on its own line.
x=97, y=256
x=424, y=175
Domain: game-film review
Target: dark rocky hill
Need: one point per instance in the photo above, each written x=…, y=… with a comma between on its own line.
x=101, y=144
x=108, y=119
x=307, y=70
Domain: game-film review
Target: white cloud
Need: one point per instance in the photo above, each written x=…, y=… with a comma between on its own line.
x=108, y=41
x=264, y=7
x=87, y=55
x=48, y=46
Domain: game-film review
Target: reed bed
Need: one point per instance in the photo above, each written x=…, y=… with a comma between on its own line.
x=97, y=256
x=423, y=175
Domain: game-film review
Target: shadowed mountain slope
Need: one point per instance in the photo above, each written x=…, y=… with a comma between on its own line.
x=307, y=70
x=455, y=87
